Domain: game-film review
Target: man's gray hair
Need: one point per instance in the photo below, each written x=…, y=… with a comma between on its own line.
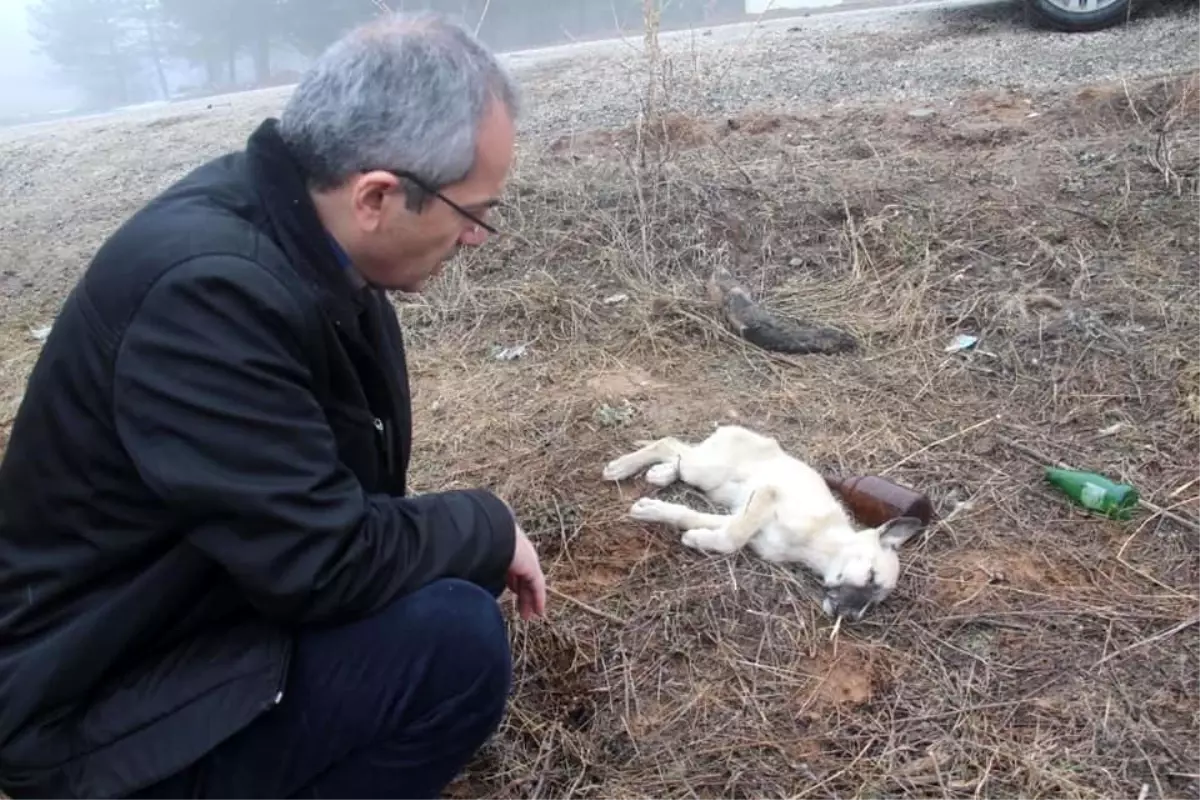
x=405, y=93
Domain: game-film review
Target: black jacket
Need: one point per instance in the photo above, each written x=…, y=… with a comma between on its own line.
x=211, y=451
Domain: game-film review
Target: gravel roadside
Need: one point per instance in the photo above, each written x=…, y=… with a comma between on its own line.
x=895, y=54
x=901, y=55
x=64, y=186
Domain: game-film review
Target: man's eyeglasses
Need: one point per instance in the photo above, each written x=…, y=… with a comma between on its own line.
x=425, y=187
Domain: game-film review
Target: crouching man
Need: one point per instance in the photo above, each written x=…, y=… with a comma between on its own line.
x=212, y=579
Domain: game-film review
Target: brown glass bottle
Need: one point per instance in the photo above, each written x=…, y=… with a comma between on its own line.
x=873, y=500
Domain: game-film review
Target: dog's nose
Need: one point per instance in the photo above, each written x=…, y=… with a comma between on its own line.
x=834, y=608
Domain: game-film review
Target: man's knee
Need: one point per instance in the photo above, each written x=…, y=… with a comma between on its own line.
x=464, y=621
x=440, y=647
x=459, y=625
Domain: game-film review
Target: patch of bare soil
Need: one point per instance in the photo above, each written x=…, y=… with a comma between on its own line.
x=845, y=678
x=1030, y=649
x=965, y=576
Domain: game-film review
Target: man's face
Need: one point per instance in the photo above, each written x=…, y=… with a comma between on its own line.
x=399, y=248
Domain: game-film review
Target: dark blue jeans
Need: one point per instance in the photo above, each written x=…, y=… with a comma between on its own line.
x=394, y=705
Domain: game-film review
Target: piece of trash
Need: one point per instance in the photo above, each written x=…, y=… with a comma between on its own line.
x=873, y=499
x=922, y=113
x=960, y=507
x=613, y=299
x=962, y=342
x=1094, y=492
x=509, y=353
x=40, y=334
x=1111, y=429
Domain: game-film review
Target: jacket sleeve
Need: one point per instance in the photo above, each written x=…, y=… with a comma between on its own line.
x=213, y=403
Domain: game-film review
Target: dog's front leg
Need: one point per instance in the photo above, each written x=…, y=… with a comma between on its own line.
x=740, y=528
x=647, y=509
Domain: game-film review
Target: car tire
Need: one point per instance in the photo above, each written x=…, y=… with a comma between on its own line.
x=1051, y=14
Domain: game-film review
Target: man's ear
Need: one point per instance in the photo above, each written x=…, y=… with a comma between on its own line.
x=368, y=193
x=894, y=533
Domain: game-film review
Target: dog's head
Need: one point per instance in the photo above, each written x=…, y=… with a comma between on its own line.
x=865, y=572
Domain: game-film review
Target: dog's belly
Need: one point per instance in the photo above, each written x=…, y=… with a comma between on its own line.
x=731, y=496
x=776, y=543
x=771, y=544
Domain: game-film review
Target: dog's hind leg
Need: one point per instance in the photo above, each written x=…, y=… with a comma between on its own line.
x=664, y=452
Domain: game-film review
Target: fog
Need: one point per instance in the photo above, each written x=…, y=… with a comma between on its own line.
x=76, y=56
x=27, y=82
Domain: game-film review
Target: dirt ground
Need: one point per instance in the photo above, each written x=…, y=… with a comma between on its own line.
x=1029, y=650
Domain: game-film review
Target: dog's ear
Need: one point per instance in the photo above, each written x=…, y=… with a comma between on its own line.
x=894, y=533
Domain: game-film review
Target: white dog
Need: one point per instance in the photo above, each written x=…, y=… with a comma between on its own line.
x=778, y=505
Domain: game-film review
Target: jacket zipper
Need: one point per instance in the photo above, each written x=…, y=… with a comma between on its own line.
x=385, y=435
x=391, y=450
x=281, y=682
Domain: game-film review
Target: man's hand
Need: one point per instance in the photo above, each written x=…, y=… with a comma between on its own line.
x=525, y=579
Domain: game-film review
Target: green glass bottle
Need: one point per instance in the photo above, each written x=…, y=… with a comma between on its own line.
x=1095, y=492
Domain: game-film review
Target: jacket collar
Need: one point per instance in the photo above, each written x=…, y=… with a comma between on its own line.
x=283, y=188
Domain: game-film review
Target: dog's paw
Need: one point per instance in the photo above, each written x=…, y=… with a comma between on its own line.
x=707, y=540
x=647, y=509
x=616, y=470
x=663, y=474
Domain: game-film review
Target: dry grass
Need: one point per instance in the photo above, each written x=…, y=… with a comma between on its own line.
x=1030, y=649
